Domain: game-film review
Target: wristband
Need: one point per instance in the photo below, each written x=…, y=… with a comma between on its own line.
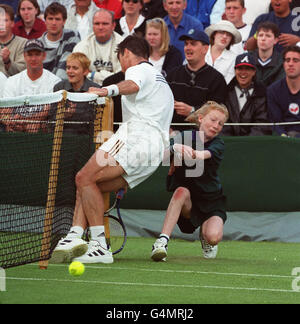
x=113, y=90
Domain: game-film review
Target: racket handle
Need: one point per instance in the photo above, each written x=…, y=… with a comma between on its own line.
x=120, y=194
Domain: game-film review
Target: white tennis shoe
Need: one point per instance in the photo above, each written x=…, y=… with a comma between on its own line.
x=68, y=249
x=159, y=250
x=96, y=254
x=209, y=251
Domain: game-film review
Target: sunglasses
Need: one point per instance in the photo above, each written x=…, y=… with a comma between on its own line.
x=134, y=1
x=156, y=20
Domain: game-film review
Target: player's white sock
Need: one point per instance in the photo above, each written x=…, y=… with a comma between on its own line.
x=165, y=237
x=75, y=232
x=98, y=234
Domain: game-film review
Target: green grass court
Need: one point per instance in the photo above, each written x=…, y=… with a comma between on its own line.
x=244, y=272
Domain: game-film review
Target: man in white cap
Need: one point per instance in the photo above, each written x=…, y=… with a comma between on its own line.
x=34, y=80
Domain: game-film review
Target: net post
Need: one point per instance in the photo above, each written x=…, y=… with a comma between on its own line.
x=52, y=184
x=101, y=135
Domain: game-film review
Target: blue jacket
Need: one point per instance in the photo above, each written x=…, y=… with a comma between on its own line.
x=201, y=9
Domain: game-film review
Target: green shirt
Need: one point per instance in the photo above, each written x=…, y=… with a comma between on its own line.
x=206, y=183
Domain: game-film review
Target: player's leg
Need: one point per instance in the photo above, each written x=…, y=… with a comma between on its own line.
x=89, y=209
x=97, y=170
x=101, y=174
x=179, y=206
x=211, y=233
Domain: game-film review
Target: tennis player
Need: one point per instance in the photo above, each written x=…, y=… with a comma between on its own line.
x=198, y=199
x=128, y=158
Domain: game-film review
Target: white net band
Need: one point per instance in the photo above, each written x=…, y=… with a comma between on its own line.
x=49, y=98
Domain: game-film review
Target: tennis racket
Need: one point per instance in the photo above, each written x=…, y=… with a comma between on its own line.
x=115, y=230
x=117, y=237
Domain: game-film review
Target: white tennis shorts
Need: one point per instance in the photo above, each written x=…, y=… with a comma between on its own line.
x=138, y=147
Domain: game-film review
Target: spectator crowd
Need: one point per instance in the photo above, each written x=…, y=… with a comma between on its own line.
x=241, y=53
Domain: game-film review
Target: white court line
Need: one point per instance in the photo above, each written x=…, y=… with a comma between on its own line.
x=178, y=271
x=152, y=285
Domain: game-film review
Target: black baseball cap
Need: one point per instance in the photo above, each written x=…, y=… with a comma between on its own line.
x=34, y=44
x=195, y=34
x=245, y=59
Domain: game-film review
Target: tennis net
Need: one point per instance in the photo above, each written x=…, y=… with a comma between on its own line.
x=44, y=142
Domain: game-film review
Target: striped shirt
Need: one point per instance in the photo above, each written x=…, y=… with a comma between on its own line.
x=55, y=61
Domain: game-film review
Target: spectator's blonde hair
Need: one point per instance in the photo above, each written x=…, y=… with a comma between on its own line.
x=81, y=58
x=160, y=25
x=205, y=109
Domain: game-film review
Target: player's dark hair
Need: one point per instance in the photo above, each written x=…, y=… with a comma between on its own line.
x=137, y=45
x=266, y=26
x=56, y=8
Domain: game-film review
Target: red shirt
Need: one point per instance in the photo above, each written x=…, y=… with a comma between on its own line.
x=38, y=29
x=112, y=5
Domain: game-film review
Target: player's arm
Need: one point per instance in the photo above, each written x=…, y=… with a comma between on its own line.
x=126, y=87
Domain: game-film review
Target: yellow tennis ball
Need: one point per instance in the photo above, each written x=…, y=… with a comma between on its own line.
x=76, y=269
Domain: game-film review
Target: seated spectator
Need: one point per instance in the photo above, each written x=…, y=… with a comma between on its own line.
x=153, y=9
x=80, y=17
x=197, y=82
x=3, y=79
x=29, y=26
x=234, y=11
x=11, y=46
x=100, y=47
x=34, y=80
x=255, y=9
x=283, y=18
x=132, y=21
x=207, y=11
x=269, y=63
x=112, y=5
x=46, y=3
x=179, y=23
x=163, y=56
x=58, y=41
x=78, y=67
x=246, y=100
x=284, y=95
x=222, y=35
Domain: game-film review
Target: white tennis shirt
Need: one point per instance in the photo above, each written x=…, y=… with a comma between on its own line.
x=20, y=84
x=154, y=103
